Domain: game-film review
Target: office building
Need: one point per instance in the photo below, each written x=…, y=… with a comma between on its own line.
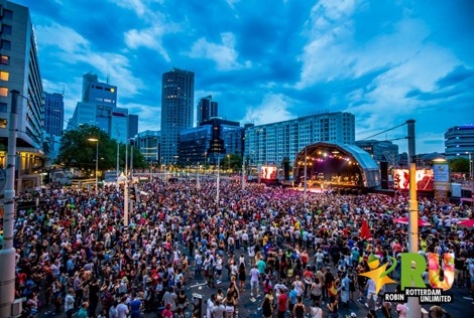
x=99, y=108
x=148, y=143
x=19, y=70
x=459, y=141
x=194, y=143
x=381, y=151
x=271, y=143
x=132, y=125
x=207, y=109
x=177, y=112
x=53, y=113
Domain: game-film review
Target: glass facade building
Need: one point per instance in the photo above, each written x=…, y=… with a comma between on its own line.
x=271, y=143
x=177, y=111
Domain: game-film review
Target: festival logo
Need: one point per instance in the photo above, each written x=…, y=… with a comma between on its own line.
x=413, y=268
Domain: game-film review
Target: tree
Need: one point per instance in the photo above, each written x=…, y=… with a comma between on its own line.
x=234, y=162
x=459, y=165
x=77, y=151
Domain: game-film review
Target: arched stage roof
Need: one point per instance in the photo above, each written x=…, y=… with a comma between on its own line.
x=369, y=169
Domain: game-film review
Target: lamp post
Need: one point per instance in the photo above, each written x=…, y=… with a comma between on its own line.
x=96, y=162
x=305, y=172
x=228, y=162
x=243, y=174
x=118, y=156
x=414, y=309
x=197, y=177
x=125, y=190
x=218, y=181
x=7, y=254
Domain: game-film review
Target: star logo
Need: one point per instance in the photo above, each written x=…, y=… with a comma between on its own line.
x=379, y=274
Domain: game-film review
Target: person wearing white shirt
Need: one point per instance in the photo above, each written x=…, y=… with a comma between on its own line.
x=122, y=309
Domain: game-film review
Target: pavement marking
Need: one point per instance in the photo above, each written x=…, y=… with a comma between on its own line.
x=197, y=285
x=468, y=298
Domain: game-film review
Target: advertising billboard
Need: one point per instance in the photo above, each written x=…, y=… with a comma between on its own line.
x=269, y=172
x=441, y=172
x=424, y=179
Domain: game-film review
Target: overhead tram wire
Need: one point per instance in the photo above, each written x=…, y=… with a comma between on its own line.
x=387, y=130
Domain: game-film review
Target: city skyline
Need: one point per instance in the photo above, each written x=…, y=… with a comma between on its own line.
x=385, y=62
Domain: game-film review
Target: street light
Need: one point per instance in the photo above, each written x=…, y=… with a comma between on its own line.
x=96, y=162
x=228, y=162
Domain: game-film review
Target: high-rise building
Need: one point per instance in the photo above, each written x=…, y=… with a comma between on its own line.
x=177, y=113
x=459, y=141
x=19, y=70
x=53, y=113
x=99, y=108
x=271, y=143
x=132, y=125
x=148, y=143
x=381, y=151
x=194, y=143
x=207, y=109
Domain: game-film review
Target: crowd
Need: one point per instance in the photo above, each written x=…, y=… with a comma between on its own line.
x=298, y=256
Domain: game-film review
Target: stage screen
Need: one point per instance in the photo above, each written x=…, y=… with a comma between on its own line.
x=424, y=179
x=268, y=172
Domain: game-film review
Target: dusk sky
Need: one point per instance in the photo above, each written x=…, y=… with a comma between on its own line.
x=272, y=60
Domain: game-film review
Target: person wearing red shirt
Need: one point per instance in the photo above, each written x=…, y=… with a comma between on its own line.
x=282, y=304
x=308, y=281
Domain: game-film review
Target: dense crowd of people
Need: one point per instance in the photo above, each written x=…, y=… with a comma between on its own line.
x=297, y=255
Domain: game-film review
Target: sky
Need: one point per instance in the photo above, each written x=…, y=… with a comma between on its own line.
x=266, y=61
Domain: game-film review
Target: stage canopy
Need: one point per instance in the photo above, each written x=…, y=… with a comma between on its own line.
x=336, y=164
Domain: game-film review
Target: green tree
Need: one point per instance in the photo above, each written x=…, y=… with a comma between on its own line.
x=76, y=150
x=459, y=165
x=231, y=161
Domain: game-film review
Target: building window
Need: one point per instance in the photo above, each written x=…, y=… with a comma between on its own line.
x=4, y=59
x=4, y=75
x=6, y=29
x=3, y=107
x=3, y=123
x=3, y=91
x=5, y=45
x=7, y=14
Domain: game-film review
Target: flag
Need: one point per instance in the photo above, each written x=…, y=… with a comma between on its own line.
x=365, y=231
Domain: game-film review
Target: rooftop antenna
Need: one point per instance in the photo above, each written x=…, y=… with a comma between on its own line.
x=107, y=78
x=64, y=87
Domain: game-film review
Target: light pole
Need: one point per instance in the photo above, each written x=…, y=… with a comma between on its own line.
x=218, y=181
x=96, y=162
x=228, y=162
x=305, y=172
x=243, y=174
x=197, y=177
x=125, y=190
x=118, y=156
x=7, y=254
x=132, y=146
x=414, y=309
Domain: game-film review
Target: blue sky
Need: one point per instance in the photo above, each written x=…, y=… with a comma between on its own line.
x=271, y=60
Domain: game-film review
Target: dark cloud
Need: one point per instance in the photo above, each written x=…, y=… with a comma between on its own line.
x=457, y=75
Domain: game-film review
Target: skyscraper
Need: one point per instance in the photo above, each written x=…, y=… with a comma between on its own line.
x=53, y=113
x=99, y=108
x=19, y=70
x=177, y=98
x=207, y=109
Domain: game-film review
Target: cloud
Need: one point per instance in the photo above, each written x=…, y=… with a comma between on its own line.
x=149, y=38
x=273, y=108
x=224, y=55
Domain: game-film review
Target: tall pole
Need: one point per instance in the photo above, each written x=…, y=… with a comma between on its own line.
x=197, y=178
x=118, y=156
x=218, y=181
x=305, y=172
x=243, y=174
x=125, y=190
x=132, y=146
x=7, y=254
x=96, y=167
x=414, y=308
